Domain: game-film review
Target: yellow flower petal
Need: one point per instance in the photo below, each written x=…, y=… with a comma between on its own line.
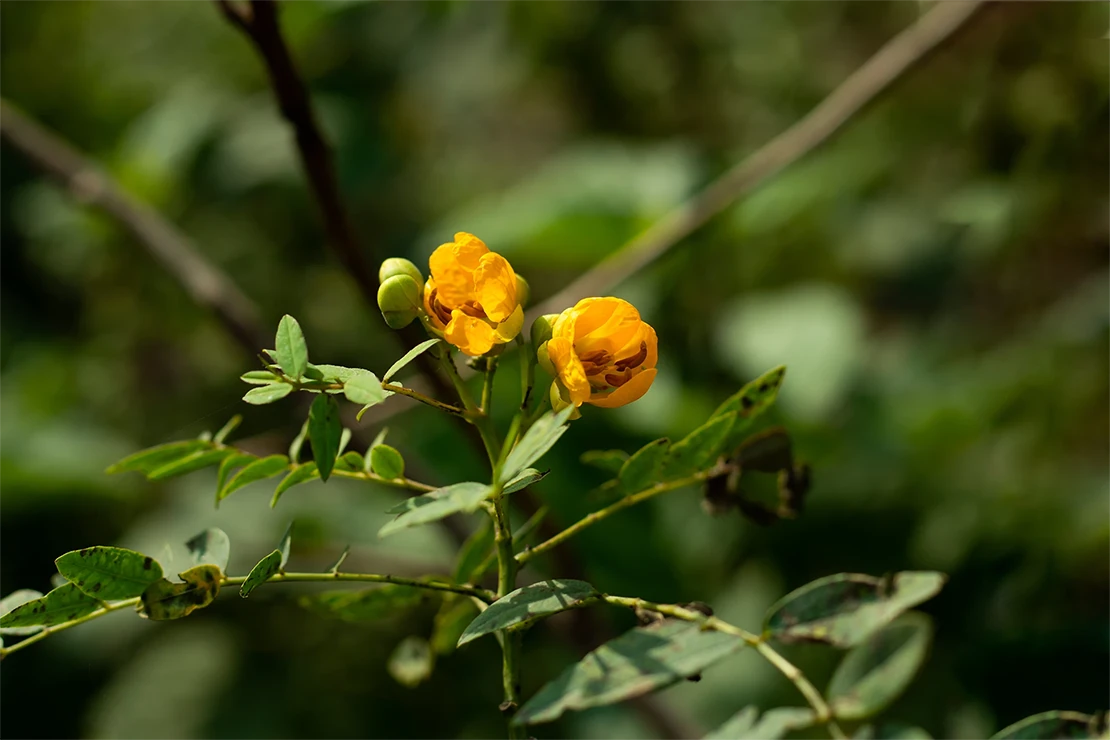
x=569, y=369
x=510, y=327
x=631, y=391
x=452, y=266
x=495, y=287
x=471, y=335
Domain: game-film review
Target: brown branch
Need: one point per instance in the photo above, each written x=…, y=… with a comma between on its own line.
x=878, y=73
x=203, y=281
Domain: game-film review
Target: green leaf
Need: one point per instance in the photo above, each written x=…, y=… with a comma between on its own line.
x=611, y=461
x=297, y=443
x=259, y=377
x=324, y=431
x=350, y=462
x=436, y=505
x=285, y=543
x=109, y=573
x=536, y=442
x=228, y=428
x=363, y=606
x=364, y=388
x=876, y=672
x=637, y=662
x=337, y=373
x=407, y=358
x=292, y=351
x=311, y=372
x=210, y=547
x=152, y=458
x=266, y=569
x=267, y=394
x=230, y=463
x=18, y=598
x=474, y=552
x=163, y=600
x=747, y=724
x=386, y=462
x=642, y=469
x=344, y=440
x=191, y=463
x=1055, y=724
x=300, y=474
x=751, y=401
x=527, y=605
x=847, y=608
x=523, y=479
x=699, y=449
x=262, y=469
x=411, y=662
x=63, y=604
x=454, y=614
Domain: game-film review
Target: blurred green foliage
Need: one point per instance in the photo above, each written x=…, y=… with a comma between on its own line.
x=935, y=279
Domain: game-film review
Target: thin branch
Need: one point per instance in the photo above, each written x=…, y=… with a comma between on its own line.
x=821, y=708
x=597, y=516
x=203, y=281
x=877, y=74
x=484, y=595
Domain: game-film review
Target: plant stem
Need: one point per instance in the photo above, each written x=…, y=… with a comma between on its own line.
x=789, y=670
x=487, y=384
x=406, y=483
x=608, y=511
x=482, y=594
x=473, y=413
x=506, y=582
x=316, y=385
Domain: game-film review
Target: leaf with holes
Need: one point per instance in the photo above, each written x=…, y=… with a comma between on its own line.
x=63, y=604
x=292, y=351
x=847, y=608
x=874, y=673
x=324, y=432
x=210, y=547
x=749, y=402
x=436, y=505
x=642, y=469
x=165, y=600
x=527, y=605
x=639, y=661
x=266, y=467
x=109, y=573
x=699, y=449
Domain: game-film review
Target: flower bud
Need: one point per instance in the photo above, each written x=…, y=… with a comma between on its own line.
x=560, y=399
x=399, y=266
x=541, y=329
x=399, y=300
x=523, y=291
x=544, y=360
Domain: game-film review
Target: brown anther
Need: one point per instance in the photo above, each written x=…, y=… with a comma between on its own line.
x=597, y=357
x=635, y=360
x=470, y=308
x=442, y=312
x=617, y=380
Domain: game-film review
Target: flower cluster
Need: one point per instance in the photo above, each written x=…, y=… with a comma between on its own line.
x=599, y=351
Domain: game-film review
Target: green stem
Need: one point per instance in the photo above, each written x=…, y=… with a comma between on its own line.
x=406, y=483
x=487, y=384
x=506, y=582
x=482, y=594
x=316, y=385
x=473, y=413
x=792, y=673
x=608, y=511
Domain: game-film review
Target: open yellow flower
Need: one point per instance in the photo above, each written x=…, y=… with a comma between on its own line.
x=603, y=353
x=472, y=296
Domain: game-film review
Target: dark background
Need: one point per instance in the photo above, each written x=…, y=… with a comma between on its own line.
x=935, y=279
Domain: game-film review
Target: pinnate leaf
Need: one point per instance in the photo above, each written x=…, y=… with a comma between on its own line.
x=267, y=394
x=148, y=460
x=643, y=468
x=292, y=351
x=260, y=469
x=63, y=604
x=300, y=474
x=407, y=358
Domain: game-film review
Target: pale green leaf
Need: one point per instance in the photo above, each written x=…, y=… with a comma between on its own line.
x=527, y=605
x=292, y=351
x=436, y=505
x=536, y=442
x=261, y=469
x=109, y=573
x=267, y=394
x=875, y=672
x=152, y=458
x=210, y=547
x=63, y=604
x=407, y=358
x=386, y=462
x=300, y=474
x=266, y=569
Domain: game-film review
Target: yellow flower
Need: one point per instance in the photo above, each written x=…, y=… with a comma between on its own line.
x=472, y=296
x=603, y=353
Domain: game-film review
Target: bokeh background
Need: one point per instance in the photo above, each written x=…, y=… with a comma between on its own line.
x=935, y=278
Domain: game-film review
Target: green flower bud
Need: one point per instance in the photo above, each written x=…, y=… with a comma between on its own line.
x=523, y=291
x=541, y=329
x=399, y=266
x=544, y=360
x=399, y=300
